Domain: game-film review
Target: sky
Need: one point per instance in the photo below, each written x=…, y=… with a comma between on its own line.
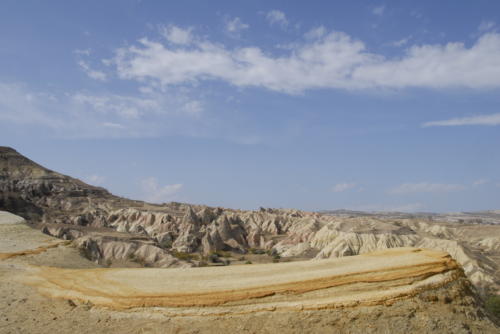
x=314, y=105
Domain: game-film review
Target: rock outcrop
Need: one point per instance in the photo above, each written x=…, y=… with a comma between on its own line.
x=375, y=278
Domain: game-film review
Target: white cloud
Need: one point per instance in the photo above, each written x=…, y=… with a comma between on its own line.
x=491, y=120
x=341, y=187
x=95, y=179
x=123, y=106
x=379, y=10
x=113, y=125
x=401, y=42
x=159, y=194
x=96, y=75
x=91, y=115
x=315, y=33
x=333, y=61
x=193, y=107
x=486, y=26
x=235, y=25
x=82, y=52
x=426, y=187
x=479, y=182
x=177, y=35
x=277, y=17
x=22, y=106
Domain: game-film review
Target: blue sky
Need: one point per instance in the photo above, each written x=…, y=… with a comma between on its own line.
x=390, y=105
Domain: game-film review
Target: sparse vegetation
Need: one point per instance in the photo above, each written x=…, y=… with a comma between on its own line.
x=166, y=244
x=222, y=254
x=493, y=305
x=257, y=251
x=248, y=262
x=185, y=256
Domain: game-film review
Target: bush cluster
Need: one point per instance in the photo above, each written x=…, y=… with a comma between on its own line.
x=185, y=256
x=493, y=305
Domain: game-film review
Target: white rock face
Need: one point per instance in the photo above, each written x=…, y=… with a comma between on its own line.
x=102, y=249
x=293, y=233
x=9, y=218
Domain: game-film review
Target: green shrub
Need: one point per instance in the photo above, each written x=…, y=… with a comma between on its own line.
x=213, y=257
x=493, y=305
x=248, y=262
x=185, y=256
x=256, y=251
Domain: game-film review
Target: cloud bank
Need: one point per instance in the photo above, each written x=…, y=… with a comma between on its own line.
x=332, y=60
x=341, y=187
x=425, y=187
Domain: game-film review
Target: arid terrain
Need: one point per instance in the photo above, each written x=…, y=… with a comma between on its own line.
x=84, y=260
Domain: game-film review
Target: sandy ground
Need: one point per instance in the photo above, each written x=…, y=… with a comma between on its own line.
x=83, y=289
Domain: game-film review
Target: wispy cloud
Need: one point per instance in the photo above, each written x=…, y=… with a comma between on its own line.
x=235, y=25
x=82, y=52
x=401, y=42
x=316, y=33
x=113, y=125
x=95, y=179
x=277, y=17
x=491, y=120
x=333, y=60
x=486, y=26
x=155, y=193
x=87, y=114
x=341, y=187
x=379, y=10
x=425, y=187
x=177, y=35
x=480, y=182
x=96, y=75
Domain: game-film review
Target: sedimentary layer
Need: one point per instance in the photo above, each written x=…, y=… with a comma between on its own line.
x=374, y=278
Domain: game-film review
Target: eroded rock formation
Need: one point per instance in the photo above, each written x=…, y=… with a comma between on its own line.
x=111, y=228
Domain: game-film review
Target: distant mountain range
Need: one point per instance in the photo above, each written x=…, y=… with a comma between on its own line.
x=477, y=217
